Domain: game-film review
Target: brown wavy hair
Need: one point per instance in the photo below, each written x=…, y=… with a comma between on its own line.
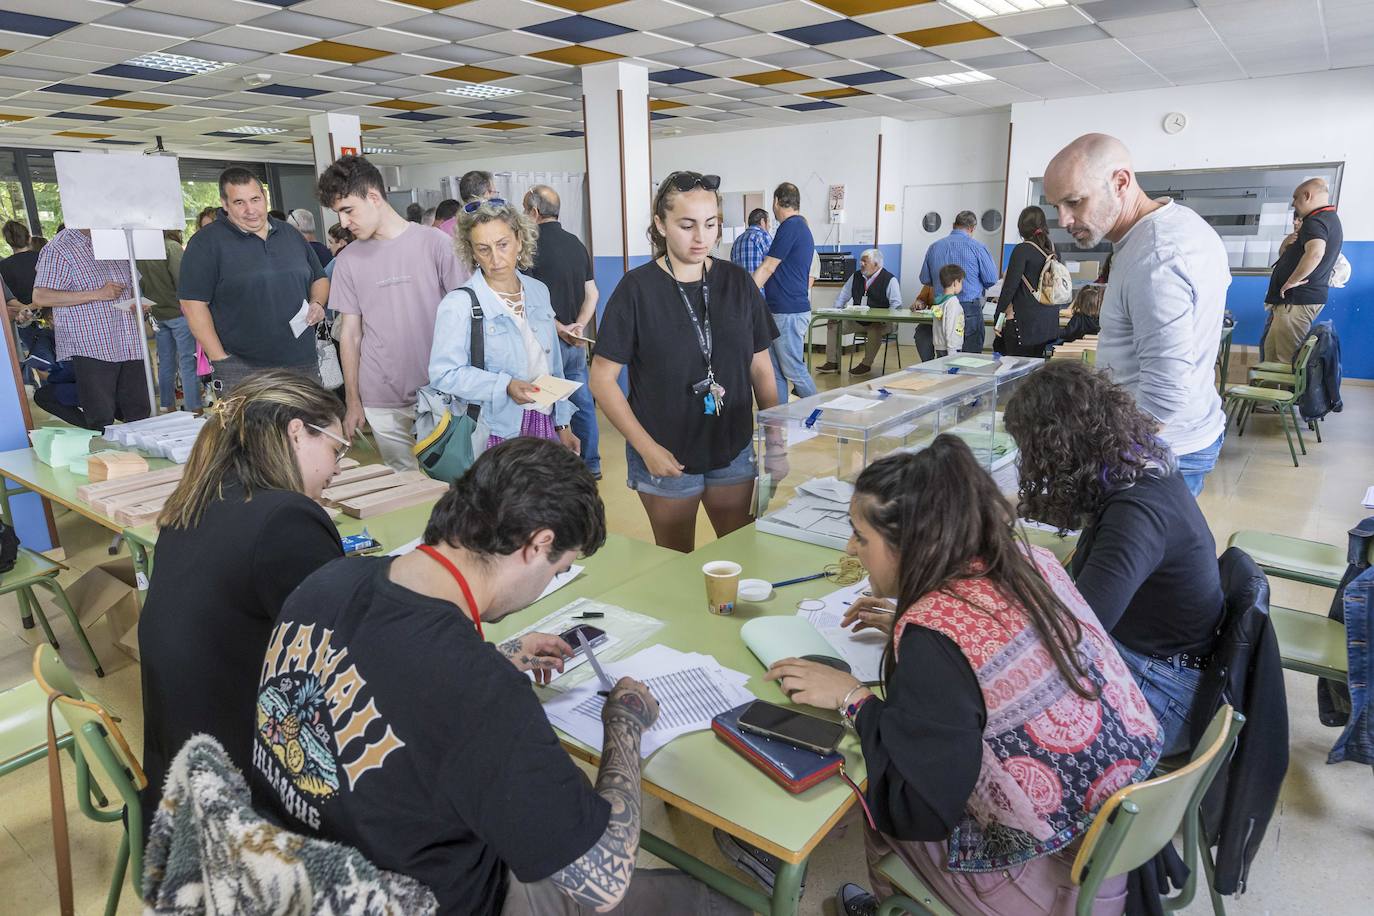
x=663, y=202
x=1081, y=437
x=941, y=511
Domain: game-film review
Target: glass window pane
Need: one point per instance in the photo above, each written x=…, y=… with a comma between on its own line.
x=43, y=177
x=11, y=193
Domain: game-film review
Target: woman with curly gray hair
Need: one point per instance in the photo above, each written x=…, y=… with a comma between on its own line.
x=1146, y=561
x=519, y=338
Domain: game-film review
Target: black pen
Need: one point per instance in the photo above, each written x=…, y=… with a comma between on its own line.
x=590, y=615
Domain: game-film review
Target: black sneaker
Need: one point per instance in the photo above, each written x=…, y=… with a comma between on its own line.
x=861, y=369
x=827, y=368
x=751, y=860
x=853, y=900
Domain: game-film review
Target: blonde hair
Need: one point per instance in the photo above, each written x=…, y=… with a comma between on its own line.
x=245, y=441
x=526, y=233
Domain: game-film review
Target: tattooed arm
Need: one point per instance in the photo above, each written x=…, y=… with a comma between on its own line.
x=600, y=877
x=542, y=653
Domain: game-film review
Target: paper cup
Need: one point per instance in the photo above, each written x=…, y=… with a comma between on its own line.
x=722, y=586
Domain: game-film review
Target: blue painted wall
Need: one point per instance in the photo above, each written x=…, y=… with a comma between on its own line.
x=29, y=520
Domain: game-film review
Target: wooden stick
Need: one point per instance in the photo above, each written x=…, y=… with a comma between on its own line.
x=112, y=465
x=365, y=472
x=397, y=498
x=372, y=485
x=108, y=505
x=140, y=513
x=87, y=492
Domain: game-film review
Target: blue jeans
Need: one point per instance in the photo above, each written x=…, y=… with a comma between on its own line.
x=1195, y=466
x=583, y=421
x=789, y=356
x=1170, y=689
x=176, y=348
x=973, y=326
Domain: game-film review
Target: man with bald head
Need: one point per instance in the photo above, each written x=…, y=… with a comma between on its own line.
x=1298, y=285
x=1163, y=307
x=562, y=264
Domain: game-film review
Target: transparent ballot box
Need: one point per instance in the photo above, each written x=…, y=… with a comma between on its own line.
x=811, y=451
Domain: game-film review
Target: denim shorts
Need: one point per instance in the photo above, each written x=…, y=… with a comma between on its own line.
x=742, y=469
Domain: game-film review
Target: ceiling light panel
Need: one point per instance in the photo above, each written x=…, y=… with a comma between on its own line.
x=254, y=129
x=953, y=79
x=480, y=91
x=986, y=9
x=175, y=63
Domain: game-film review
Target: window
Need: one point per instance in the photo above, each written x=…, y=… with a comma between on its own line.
x=11, y=192
x=43, y=179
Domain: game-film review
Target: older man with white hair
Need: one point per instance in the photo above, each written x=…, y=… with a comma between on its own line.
x=872, y=286
x=1163, y=308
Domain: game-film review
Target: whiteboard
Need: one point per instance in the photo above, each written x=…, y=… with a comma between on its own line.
x=119, y=191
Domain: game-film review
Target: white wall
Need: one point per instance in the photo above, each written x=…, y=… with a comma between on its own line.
x=1310, y=117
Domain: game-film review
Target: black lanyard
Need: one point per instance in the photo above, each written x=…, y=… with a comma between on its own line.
x=703, y=326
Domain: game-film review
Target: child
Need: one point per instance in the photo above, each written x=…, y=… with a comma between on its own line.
x=949, y=313
x=1087, y=304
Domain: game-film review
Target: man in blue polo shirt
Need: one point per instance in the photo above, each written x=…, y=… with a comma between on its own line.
x=785, y=277
x=980, y=272
x=243, y=278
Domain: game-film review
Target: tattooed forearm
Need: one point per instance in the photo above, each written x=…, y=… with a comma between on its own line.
x=600, y=877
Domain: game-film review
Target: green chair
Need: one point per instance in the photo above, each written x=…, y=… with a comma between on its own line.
x=1284, y=557
x=24, y=726
x=1241, y=400
x=100, y=747
x=1132, y=826
x=1311, y=643
x=33, y=569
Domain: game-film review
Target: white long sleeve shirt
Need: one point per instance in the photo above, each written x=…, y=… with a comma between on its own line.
x=1161, y=323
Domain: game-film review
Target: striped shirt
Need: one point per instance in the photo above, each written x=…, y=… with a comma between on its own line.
x=96, y=330
x=751, y=248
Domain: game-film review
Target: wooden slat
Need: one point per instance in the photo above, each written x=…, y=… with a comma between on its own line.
x=108, y=505
x=372, y=485
x=365, y=472
x=397, y=498
x=113, y=465
x=89, y=491
x=144, y=513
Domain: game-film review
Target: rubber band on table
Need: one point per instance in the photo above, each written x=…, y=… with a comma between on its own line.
x=810, y=605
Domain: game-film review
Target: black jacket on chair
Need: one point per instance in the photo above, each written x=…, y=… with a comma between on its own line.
x=1245, y=672
x=1323, y=394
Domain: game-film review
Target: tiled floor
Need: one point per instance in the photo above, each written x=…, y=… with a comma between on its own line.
x=1315, y=856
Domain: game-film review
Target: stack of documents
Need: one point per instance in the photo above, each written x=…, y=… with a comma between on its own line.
x=821, y=505
x=690, y=688
x=170, y=435
x=862, y=650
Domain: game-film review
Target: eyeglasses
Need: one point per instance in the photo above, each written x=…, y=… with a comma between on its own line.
x=344, y=444
x=475, y=205
x=686, y=181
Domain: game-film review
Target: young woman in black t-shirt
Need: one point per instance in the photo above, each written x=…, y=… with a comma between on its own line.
x=694, y=332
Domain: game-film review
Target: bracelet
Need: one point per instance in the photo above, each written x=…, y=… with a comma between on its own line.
x=844, y=704
x=559, y=429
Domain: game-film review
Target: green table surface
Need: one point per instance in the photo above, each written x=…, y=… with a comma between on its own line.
x=59, y=484
x=697, y=773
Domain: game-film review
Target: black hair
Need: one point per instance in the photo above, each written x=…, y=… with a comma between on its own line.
x=17, y=235
x=787, y=196
x=515, y=489
x=414, y=212
x=447, y=209
x=965, y=219
x=949, y=275
x=277, y=215
x=338, y=233
x=235, y=175
x=474, y=185
x=1033, y=228
x=349, y=176
x=758, y=216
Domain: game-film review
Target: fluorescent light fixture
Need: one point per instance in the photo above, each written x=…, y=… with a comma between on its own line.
x=254, y=129
x=175, y=63
x=480, y=91
x=986, y=9
x=953, y=79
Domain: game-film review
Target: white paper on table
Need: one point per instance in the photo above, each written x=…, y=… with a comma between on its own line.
x=1369, y=498
x=302, y=319
x=862, y=650
x=834, y=605
x=552, y=389
x=561, y=580
x=849, y=402
x=406, y=548
x=829, y=488
x=832, y=526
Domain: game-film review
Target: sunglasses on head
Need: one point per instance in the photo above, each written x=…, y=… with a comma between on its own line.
x=686, y=181
x=474, y=206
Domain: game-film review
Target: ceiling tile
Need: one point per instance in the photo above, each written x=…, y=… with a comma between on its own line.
x=909, y=17
x=771, y=77
x=423, y=60
x=439, y=26
x=638, y=44
x=292, y=23
x=516, y=43
x=576, y=29
x=1014, y=59
x=983, y=47
x=140, y=20
x=575, y=55
x=690, y=57
x=28, y=24
x=1107, y=10
x=1067, y=36
x=827, y=33
x=908, y=58
x=1189, y=20
x=507, y=14
x=860, y=48
x=1062, y=17
x=648, y=15
x=131, y=104
x=754, y=46
x=776, y=17
x=704, y=31
x=339, y=52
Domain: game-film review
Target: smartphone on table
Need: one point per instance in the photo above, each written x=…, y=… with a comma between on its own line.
x=792, y=726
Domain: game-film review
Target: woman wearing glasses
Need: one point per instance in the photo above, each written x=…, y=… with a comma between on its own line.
x=519, y=337
x=239, y=533
x=695, y=333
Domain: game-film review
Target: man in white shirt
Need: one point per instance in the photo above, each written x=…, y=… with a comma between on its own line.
x=872, y=286
x=1163, y=308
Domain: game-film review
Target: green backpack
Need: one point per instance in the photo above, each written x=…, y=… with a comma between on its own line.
x=445, y=450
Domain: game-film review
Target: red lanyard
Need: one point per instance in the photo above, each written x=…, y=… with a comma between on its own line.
x=1321, y=210
x=868, y=281
x=445, y=562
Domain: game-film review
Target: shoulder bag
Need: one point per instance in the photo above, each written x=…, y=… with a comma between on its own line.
x=445, y=450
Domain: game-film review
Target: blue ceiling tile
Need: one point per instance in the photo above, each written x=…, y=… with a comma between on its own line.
x=577, y=29
x=496, y=116
x=295, y=92
x=660, y=116
x=130, y=71
x=220, y=133
x=813, y=106
x=99, y=92
x=868, y=76
x=678, y=75
x=251, y=142
x=282, y=3
x=417, y=116
x=121, y=142
x=827, y=32
x=568, y=133
x=81, y=116
x=25, y=24
x=448, y=141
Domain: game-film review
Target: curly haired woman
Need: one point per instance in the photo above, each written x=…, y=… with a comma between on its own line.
x=1146, y=560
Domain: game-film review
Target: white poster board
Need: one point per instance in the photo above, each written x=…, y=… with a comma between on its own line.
x=119, y=191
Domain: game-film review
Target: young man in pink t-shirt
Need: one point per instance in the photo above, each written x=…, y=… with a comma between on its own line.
x=386, y=288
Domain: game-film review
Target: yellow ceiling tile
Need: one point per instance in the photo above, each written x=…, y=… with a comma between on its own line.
x=843, y=92
x=305, y=141
x=502, y=125
x=863, y=7
x=339, y=52
x=948, y=34
x=470, y=74
x=373, y=126
x=81, y=134
x=576, y=55
x=770, y=77
x=131, y=104
x=664, y=105
x=403, y=105
x=14, y=117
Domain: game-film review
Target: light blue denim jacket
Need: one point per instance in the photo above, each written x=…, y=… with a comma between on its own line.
x=450, y=368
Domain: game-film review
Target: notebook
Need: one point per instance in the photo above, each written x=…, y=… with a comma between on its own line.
x=795, y=769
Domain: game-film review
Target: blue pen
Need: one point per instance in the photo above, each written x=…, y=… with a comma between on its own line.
x=811, y=420
x=798, y=579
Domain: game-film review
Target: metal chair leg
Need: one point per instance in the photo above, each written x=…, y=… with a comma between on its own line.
x=25, y=611
x=120, y=870
x=60, y=596
x=1317, y=428
x=1297, y=427
x=1289, y=436
x=29, y=602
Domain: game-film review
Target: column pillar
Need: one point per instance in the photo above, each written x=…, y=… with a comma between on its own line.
x=333, y=135
x=615, y=115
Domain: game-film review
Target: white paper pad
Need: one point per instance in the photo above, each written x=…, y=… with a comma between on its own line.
x=829, y=488
x=301, y=321
x=552, y=389
x=862, y=650
x=851, y=402
x=1369, y=498
x=690, y=689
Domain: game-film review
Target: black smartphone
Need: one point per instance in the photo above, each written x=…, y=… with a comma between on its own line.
x=595, y=636
x=792, y=726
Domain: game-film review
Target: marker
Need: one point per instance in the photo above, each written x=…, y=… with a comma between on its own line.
x=590, y=615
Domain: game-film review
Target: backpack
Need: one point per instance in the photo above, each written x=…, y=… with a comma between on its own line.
x=1056, y=283
x=9, y=547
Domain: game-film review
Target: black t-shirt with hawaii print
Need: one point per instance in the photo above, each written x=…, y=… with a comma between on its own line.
x=384, y=722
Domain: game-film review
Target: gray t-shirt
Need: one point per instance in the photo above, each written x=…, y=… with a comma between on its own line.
x=395, y=285
x=1161, y=323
